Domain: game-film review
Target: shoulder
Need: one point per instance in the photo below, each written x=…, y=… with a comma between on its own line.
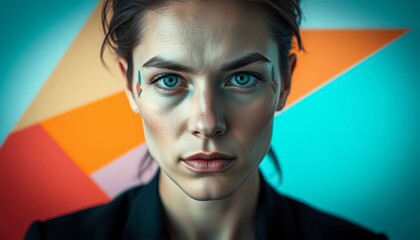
x=101, y=222
x=315, y=224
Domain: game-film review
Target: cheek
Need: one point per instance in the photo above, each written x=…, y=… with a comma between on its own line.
x=160, y=128
x=252, y=125
x=160, y=115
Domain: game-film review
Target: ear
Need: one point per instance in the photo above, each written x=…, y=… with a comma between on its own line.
x=122, y=63
x=286, y=82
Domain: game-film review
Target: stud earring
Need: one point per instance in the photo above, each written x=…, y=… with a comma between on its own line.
x=136, y=109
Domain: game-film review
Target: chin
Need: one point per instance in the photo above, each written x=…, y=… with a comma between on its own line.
x=209, y=189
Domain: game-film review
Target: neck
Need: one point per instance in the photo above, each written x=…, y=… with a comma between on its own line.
x=230, y=218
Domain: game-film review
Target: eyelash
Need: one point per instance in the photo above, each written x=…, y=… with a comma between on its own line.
x=160, y=76
x=259, y=78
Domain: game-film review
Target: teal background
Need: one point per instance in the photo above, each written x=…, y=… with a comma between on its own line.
x=351, y=148
x=34, y=37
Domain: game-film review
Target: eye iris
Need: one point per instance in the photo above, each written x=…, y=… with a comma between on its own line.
x=242, y=79
x=170, y=81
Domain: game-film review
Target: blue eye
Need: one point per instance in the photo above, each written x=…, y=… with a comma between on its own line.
x=243, y=80
x=168, y=81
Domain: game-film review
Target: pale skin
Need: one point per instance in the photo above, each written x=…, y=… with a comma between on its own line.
x=211, y=105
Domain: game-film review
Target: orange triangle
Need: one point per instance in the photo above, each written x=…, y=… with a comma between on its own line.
x=331, y=52
x=97, y=133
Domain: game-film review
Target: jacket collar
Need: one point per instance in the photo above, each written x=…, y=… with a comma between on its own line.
x=275, y=219
x=146, y=219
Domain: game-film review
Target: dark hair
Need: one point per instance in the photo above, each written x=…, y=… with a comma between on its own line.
x=122, y=24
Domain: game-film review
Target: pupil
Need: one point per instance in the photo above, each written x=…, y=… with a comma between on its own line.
x=242, y=79
x=170, y=81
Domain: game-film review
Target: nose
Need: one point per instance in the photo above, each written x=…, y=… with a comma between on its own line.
x=207, y=115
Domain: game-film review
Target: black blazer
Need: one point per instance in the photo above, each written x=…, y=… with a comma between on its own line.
x=138, y=214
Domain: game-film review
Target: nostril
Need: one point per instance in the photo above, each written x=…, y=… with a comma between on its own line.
x=219, y=132
x=207, y=133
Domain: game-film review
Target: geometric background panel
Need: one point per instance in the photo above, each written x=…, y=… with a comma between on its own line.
x=35, y=36
x=97, y=133
x=329, y=53
x=343, y=14
x=80, y=66
x=39, y=181
x=137, y=168
x=352, y=147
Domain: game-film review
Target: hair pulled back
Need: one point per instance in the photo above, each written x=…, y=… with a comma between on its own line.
x=123, y=24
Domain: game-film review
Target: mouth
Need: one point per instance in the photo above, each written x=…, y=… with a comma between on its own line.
x=208, y=162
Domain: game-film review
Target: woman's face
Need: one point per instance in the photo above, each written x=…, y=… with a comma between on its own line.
x=209, y=81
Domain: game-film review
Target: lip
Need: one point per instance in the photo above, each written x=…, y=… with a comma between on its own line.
x=209, y=156
x=208, y=162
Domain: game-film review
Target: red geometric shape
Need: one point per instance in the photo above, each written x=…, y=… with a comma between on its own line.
x=138, y=89
x=39, y=181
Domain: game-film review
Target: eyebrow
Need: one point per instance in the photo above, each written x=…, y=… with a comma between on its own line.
x=159, y=62
x=246, y=60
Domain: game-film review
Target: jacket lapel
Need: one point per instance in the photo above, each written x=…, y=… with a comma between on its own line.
x=275, y=219
x=146, y=219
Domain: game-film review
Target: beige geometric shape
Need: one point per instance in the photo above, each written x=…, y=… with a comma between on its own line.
x=79, y=78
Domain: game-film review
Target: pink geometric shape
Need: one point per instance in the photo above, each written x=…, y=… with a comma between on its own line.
x=39, y=181
x=134, y=168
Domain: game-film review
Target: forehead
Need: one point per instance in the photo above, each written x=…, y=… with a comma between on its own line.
x=202, y=33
